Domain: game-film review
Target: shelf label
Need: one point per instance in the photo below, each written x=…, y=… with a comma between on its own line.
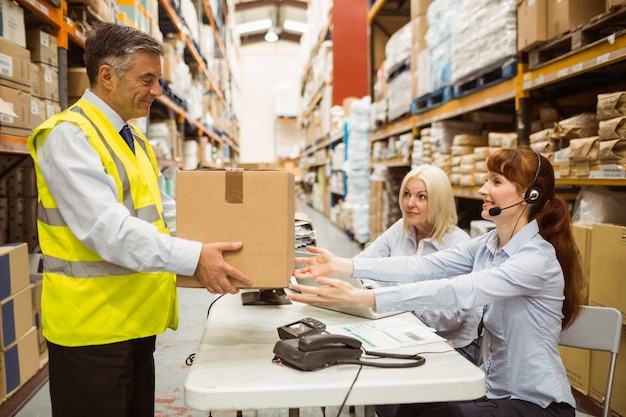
x=608, y=171
x=602, y=59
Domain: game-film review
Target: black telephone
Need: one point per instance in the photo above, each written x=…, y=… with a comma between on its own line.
x=317, y=351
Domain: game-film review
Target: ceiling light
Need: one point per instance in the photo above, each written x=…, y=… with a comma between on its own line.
x=271, y=36
x=254, y=26
x=295, y=26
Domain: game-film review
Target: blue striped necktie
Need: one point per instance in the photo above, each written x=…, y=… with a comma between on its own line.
x=128, y=137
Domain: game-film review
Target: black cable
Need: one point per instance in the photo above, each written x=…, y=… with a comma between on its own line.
x=349, y=390
x=192, y=356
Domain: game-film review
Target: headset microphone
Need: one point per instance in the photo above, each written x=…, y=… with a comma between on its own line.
x=495, y=211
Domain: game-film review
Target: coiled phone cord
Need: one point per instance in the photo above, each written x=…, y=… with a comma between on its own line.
x=415, y=360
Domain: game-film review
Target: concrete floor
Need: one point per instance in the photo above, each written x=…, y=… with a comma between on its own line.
x=174, y=347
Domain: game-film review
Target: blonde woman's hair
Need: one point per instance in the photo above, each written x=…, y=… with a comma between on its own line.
x=441, y=205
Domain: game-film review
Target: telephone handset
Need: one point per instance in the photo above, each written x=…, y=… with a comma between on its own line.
x=309, y=353
x=328, y=341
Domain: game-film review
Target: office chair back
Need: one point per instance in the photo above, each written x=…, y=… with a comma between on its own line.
x=597, y=328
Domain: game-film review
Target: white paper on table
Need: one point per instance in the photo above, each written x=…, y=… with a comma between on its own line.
x=387, y=333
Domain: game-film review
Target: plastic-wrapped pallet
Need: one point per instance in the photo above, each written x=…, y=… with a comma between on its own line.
x=441, y=15
x=484, y=33
x=399, y=90
x=398, y=50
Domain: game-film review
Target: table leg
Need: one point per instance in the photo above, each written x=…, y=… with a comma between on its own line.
x=294, y=412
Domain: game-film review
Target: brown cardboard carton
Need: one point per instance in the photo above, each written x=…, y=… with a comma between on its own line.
x=565, y=15
x=43, y=47
x=254, y=207
x=607, y=284
x=77, y=81
x=19, y=102
x=578, y=367
x=14, y=274
x=19, y=363
x=12, y=22
x=14, y=66
x=532, y=25
x=582, y=237
x=15, y=317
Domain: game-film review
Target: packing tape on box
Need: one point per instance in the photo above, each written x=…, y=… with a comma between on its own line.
x=233, y=192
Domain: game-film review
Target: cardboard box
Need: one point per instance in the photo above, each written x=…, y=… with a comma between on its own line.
x=532, y=24
x=77, y=81
x=16, y=317
x=43, y=47
x=582, y=237
x=19, y=102
x=19, y=363
x=578, y=367
x=14, y=66
x=48, y=82
x=14, y=274
x=599, y=372
x=254, y=207
x=565, y=15
x=607, y=283
x=12, y=22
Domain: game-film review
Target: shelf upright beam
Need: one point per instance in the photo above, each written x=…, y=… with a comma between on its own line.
x=374, y=9
x=523, y=104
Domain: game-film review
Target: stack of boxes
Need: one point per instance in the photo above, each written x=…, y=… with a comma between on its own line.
x=603, y=251
x=541, y=20
x=29, y=72
x=19, y=345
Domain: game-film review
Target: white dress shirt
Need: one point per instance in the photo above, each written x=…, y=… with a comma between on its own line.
x=87, y=198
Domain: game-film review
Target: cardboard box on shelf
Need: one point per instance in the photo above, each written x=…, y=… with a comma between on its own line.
x=19, y=102
x=607, y=284
x=77, y=81
x=12, y=23
x=565, y=15
x=15, y=317
x=48, y=82
x=14, y=273
x=253, y=207
x=43, y=47
x=18, y=363
x=532, y=24
x=14, y=66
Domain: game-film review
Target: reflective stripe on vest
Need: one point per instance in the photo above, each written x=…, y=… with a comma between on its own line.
x=83, y=269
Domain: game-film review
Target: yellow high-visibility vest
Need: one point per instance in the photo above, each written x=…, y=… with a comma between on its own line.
x=85, y=299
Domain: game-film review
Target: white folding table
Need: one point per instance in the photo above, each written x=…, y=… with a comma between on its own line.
x=233, y=367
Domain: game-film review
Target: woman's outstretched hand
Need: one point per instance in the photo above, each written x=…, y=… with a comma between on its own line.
x=332, y=293
x=324, y=264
